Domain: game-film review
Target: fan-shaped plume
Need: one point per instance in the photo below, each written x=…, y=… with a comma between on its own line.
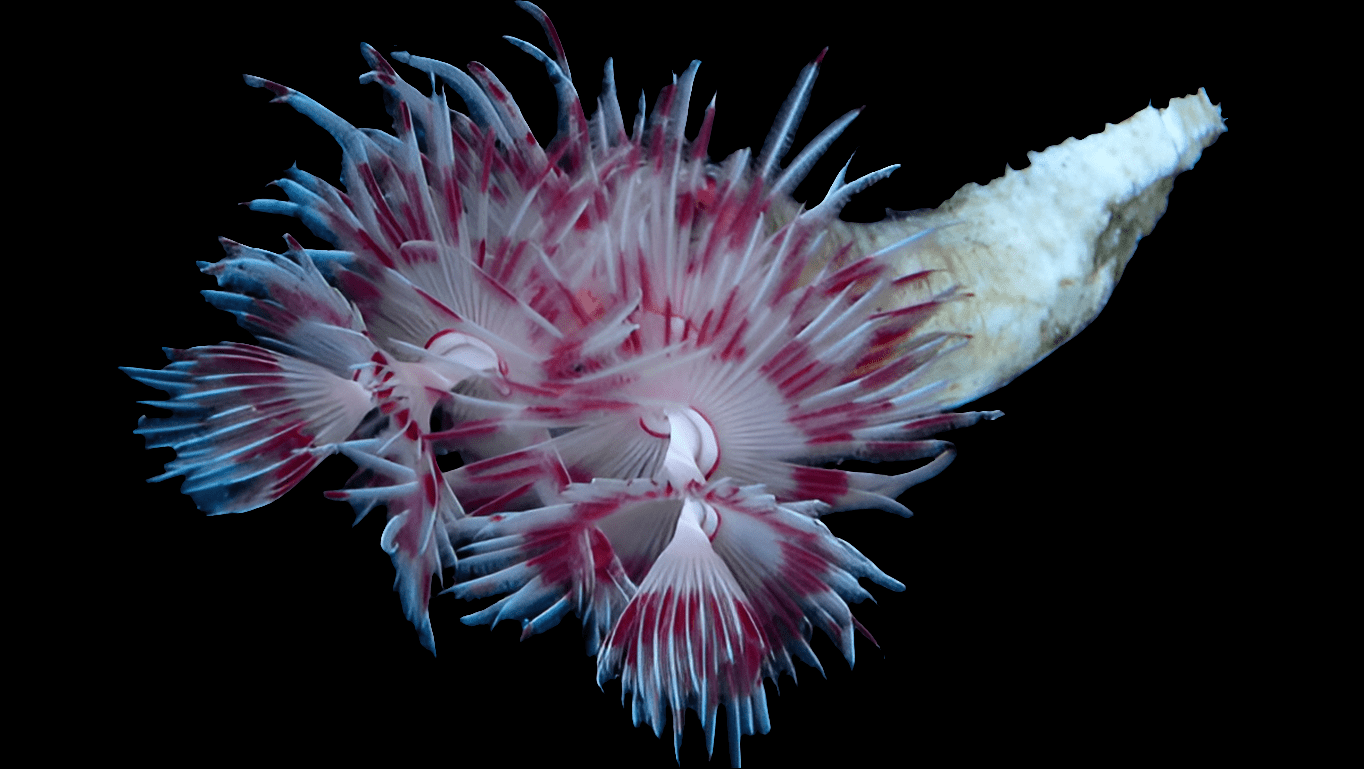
x=644, y=360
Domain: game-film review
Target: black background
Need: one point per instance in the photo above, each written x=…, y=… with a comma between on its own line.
x=1071, y=578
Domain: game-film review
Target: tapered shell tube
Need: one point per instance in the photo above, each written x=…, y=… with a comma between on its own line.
x=1040, y=250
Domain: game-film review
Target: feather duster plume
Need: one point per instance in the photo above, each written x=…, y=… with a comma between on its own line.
x=643, y=360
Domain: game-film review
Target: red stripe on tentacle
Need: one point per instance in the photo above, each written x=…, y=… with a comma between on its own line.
x=699, y=146
x=818, y=483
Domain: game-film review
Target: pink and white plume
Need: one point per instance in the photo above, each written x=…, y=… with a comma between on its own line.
x=645, y=361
